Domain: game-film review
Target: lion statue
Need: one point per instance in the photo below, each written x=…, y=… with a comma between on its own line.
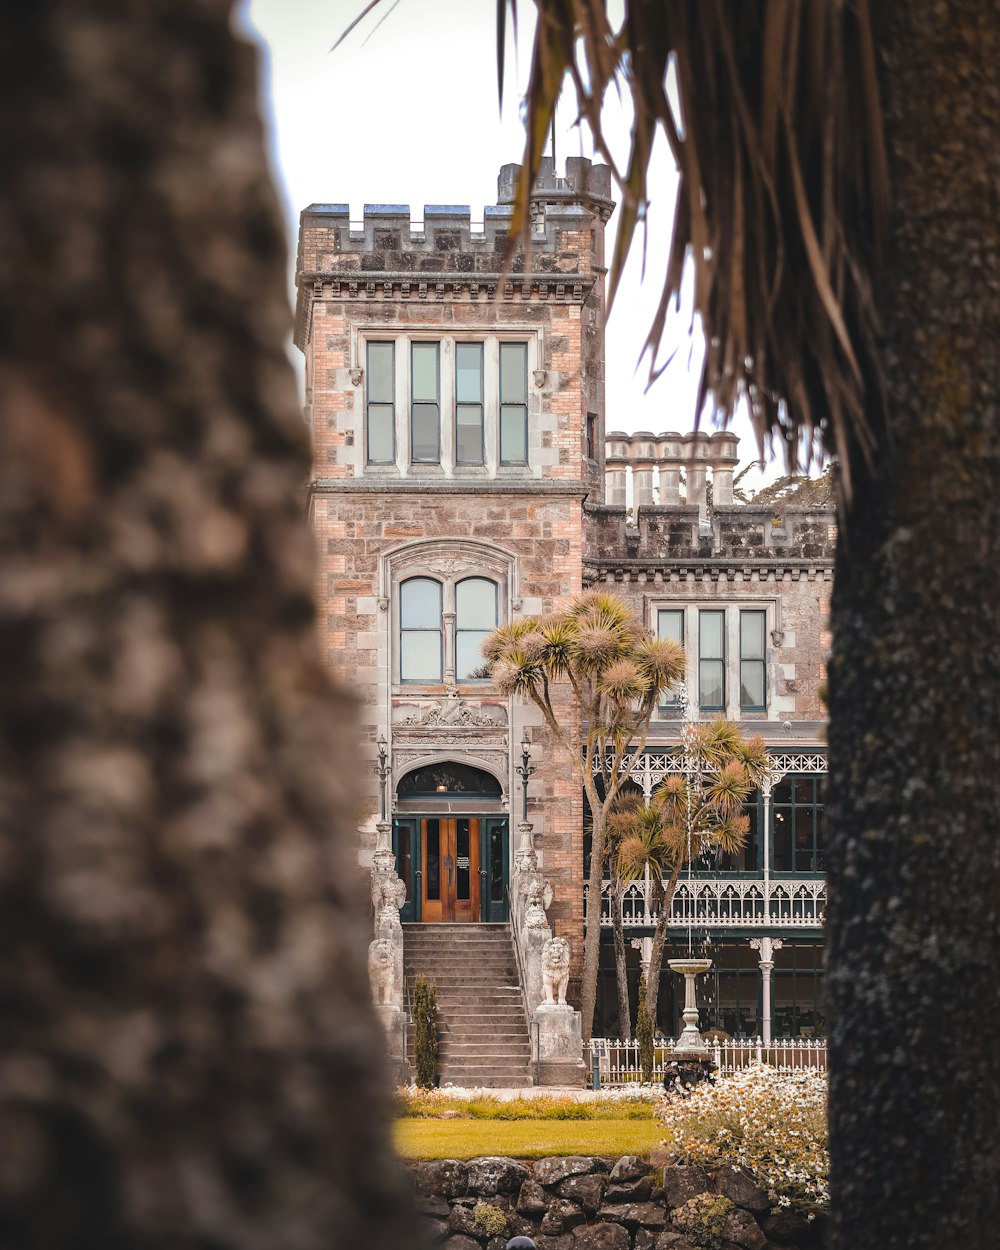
x=555, y=970
x=382, y=970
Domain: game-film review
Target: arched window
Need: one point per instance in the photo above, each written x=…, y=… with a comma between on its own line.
x=420, y=642
x=475, y=619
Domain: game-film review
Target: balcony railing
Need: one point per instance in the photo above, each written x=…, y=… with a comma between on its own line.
x=725, y=903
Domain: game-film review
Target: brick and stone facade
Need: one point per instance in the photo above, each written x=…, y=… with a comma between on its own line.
x=416, y=340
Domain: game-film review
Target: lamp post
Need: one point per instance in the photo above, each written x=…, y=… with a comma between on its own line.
x=524, y=772
x=382, y=769
x=384, y=860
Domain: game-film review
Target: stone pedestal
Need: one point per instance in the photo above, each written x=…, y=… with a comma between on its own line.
x=557, y=1032
x=394, y=1024
x=690, y=1060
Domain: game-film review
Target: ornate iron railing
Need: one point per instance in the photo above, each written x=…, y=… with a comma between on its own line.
x=618, y=1061
x=734, y=902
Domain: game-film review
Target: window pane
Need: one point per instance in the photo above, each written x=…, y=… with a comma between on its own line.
x=710, y=644
x=469, y=434
x=433, y=859
x=420, y=604
x=425, y=372
x=782, y=848
x=670, y=624
x=710, y=684
x=752, y=635
x=463, y=861
x=752, y=684
x=425, y=432
x=476, y=604
x=513, y=373
x=513, y=435
x=496, y=864
x=381, y=440
x=469, y=373
x=380, y=372
x=469, y=651
x=420, y=655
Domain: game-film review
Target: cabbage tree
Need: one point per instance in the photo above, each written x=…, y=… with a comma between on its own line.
x=613, y=671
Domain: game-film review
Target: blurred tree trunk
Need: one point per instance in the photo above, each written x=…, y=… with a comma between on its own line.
x=914, y=855
x=186, y=1040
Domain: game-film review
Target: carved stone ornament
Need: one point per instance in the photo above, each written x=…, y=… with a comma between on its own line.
x=356, y=376
x=534, y=915
x=539, y=375
x=555, y=970
x=388, y=891
x=453, y=710
x=382, y=970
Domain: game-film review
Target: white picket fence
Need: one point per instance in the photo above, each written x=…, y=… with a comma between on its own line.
x=618, y=1061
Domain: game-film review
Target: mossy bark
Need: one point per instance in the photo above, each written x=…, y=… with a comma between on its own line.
x=914, y=856
x=188, y=1055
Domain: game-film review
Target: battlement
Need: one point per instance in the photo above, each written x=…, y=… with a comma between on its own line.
x=389, y=238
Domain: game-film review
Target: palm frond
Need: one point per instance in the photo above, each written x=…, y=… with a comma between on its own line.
x=783, y=197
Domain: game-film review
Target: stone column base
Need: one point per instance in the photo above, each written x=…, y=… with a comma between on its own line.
x=557, y=1033
x=395, y=1043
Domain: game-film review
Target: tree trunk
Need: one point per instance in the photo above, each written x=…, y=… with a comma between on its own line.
x=186, y=1040
x=621, y=967
x=658, y=944
x=914, y=858
x=592, y=935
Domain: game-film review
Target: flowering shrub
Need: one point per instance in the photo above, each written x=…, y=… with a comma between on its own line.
x=703, y=1218
x=773, y=1123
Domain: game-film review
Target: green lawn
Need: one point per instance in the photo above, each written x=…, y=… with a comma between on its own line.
x=524, y=1139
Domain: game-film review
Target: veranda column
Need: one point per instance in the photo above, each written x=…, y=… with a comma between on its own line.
x=767, y=946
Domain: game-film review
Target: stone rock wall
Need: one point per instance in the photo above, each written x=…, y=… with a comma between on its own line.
x=584, y=1203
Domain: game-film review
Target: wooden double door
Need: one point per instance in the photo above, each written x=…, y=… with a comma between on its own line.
x=449, y=855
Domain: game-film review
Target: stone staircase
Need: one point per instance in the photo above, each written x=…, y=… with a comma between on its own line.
x=484, y=1035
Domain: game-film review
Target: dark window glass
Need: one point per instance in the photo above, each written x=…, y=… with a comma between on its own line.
x=782, y=840
x=475, y=619
x=420, y=630
x=462, y=861
x=670, y=624
x=448, y=777
x=433, y=859
x=711, y=661
x=591, y=437
x=513, y=403
x=469, y=403
x=753, y=694
x=425, y=403
x=381, y=396
x=496, y=864
x=797, y=822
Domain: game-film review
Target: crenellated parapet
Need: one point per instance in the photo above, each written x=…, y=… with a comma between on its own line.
x=389, y=255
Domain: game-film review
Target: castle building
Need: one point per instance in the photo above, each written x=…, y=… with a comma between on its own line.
x=463, y=477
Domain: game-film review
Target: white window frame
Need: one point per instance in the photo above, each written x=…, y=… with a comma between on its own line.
x=448, y=562
x=732, y=609
x=448, y=465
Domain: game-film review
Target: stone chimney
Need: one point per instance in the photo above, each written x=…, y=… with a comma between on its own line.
x=643, y=459
x=670, y=449
x=697, y=446
x=724, y=460
x=616, y=458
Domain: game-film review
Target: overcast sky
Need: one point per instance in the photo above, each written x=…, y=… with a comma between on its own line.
x=405, y=111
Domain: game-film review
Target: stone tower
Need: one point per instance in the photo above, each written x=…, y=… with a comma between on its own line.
x=457, y=418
